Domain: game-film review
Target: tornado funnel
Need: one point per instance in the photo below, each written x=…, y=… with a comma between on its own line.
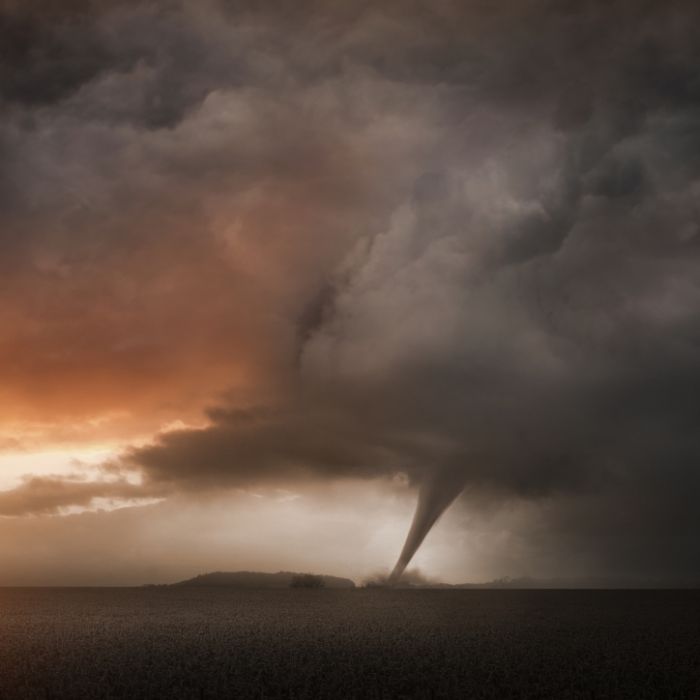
x=434, y=497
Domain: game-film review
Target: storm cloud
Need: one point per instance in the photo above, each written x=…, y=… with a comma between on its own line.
x=438, y=239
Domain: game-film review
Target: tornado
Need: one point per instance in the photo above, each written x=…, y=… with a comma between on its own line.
x=436, y=494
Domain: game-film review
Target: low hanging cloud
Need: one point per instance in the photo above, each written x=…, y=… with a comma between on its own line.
x=455, y=243
x=53, y=495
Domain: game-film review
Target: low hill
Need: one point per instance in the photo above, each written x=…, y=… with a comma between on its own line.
x=256, y=579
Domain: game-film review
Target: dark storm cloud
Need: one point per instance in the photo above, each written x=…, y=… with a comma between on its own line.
x=290, y=442
x=458, y=242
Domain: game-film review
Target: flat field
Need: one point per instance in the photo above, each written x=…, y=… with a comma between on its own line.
x=369, y=643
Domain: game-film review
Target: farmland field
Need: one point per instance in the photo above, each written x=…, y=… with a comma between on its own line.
x=365, y=643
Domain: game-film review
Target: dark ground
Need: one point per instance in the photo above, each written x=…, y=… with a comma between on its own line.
x=171, y=643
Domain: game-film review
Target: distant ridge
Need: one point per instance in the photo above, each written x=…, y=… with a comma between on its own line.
x=283, y=579
x=256, y=579
x=527, y=583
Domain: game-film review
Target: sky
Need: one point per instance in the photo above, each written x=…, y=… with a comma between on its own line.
x=272, y=273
